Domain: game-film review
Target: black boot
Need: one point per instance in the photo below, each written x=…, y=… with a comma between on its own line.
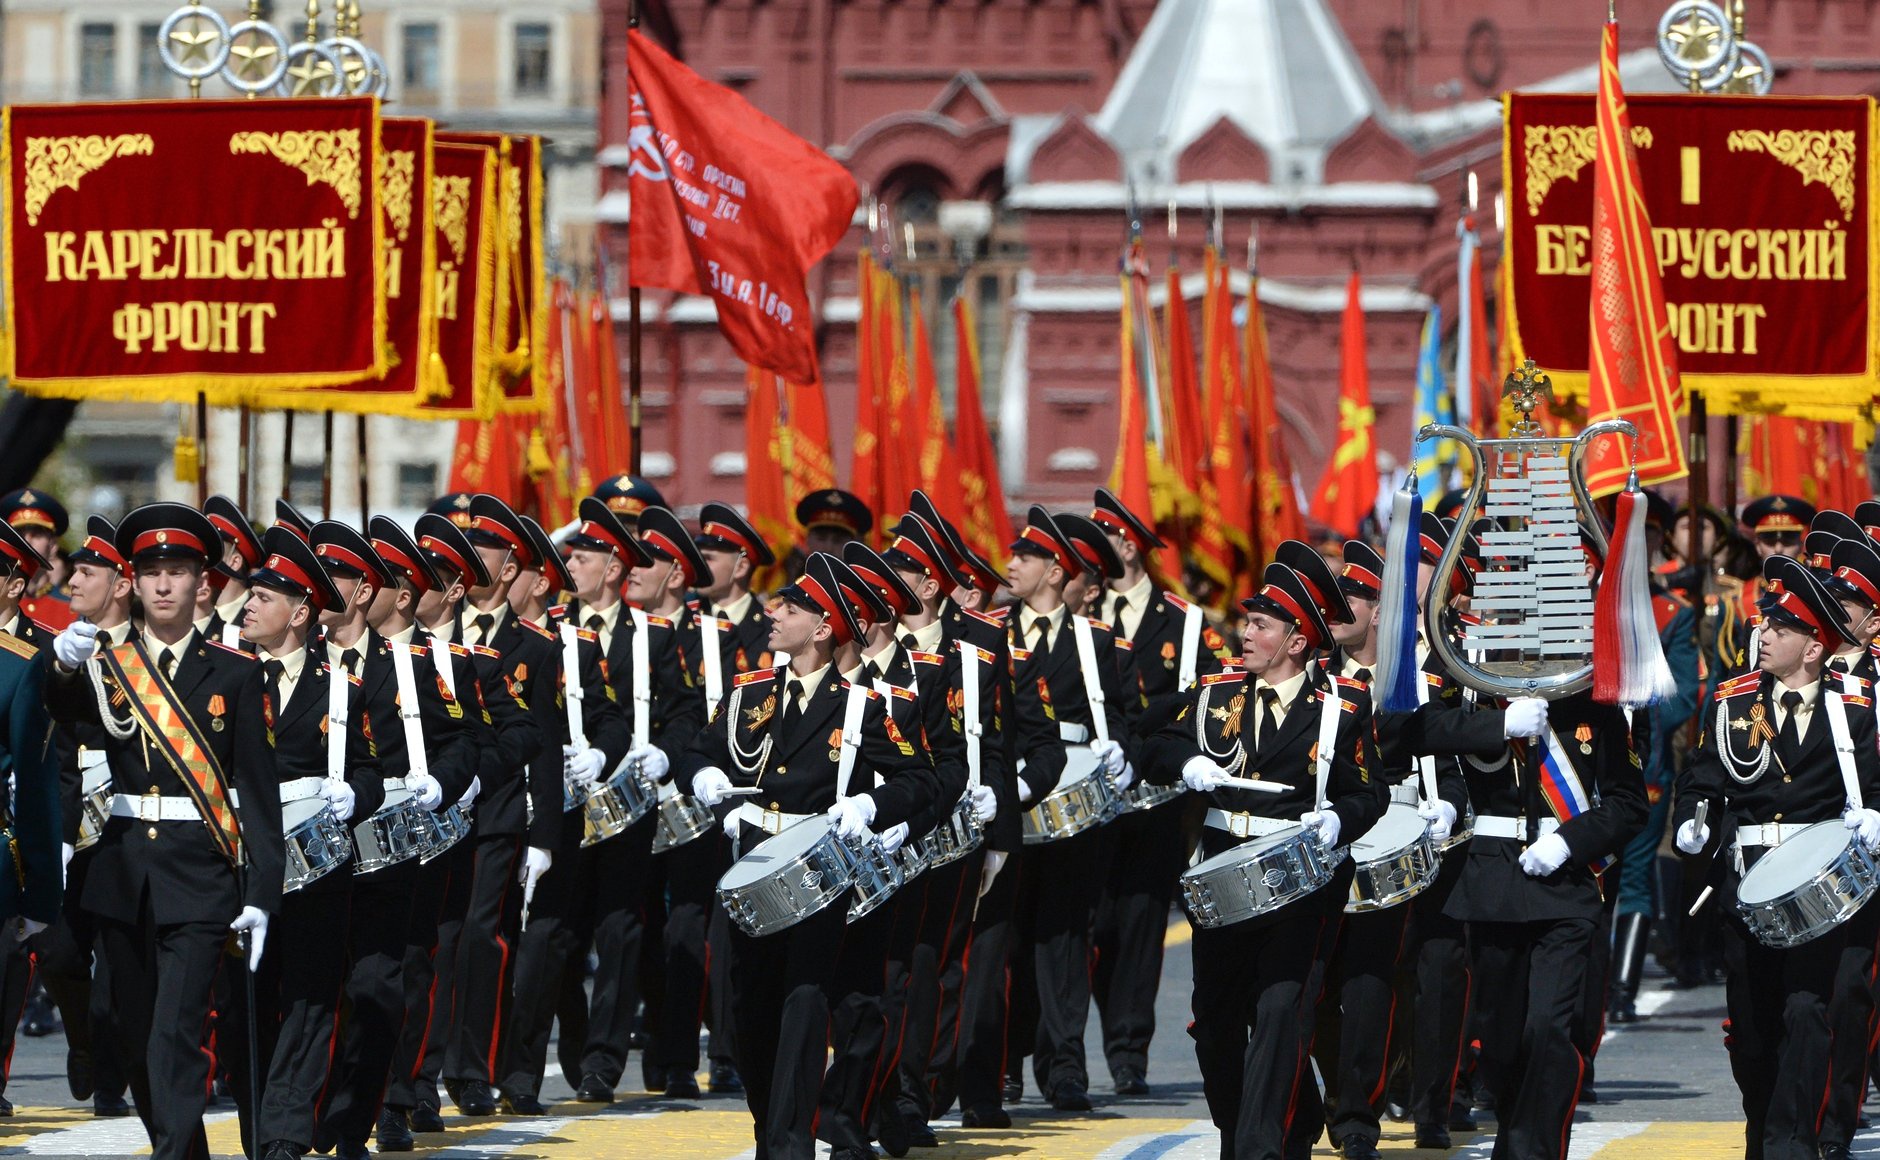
x=1630, y=935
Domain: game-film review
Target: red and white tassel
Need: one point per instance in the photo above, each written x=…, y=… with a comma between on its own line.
x=1629, y=667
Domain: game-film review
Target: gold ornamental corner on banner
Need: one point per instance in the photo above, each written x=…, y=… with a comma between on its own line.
x=1530, y=628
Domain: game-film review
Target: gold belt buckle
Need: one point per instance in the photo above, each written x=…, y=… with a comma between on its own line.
x=150, y=807
x=1772, y=834
x=773, y=822
x=1240, y=825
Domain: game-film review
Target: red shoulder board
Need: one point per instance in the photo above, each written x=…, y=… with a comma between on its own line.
x=1021, y=654
x=658, y=621
x=588, y=634
x=1469, y=618
x=484, y=651
x=1851, y=699
x=921, y=658
x=1348, y=683
x=904, y=694
x=232, y=651
x=557, y=611
x=1747, y=683
x=1095, y=623
x=1229, y=677
x=1854, y=681
x=418, y=650
x=996, y=621
x=1125, y=645
x=1344, y=704
x=752, y=677
x=457, y=650
x=872, y=695
x=545, y=633
x=1179, y=604
x=693, y=603
x=1434, y=680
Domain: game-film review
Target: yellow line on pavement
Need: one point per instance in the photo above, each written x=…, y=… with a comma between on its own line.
x=1679, y=1141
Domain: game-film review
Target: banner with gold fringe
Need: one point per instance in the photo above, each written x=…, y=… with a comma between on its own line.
x=459, y=378
x=520, y=326
x=157, y=249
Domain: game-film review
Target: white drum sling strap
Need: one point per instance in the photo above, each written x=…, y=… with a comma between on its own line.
x=336, y=719
x=1093, y=685
x=1329, y=710
x=709, y=628
x=446, y=668
x=971, y=656
x=1426, y=763
x=642, y=681
x=571, y=685
x=408, y=711
x=1843, y=748
x=1187, y=668
x=851, y=739
x=878, y=874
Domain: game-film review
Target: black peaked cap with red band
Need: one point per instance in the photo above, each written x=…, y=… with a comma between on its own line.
x=921, y=505
x=1867, y=516
x=879, y=574
x=1856, y=573
x=286, y=515
x=1041, y=536
x=1797, y=599
x=31, y=508
x=663, y=536
x=1818, y=550
x=494, y=524
x=1305, y=560
x=1841, y=524
x=14, y=547
x=1284, y=594
x=834, y=508
x=547, y=559
x=444, y=542
x=918, y=547
x=1778, y=513
x=100, y=547
x=1092, y=546
x=396, y=547
x=344, y=551
x=1363, y=573
x=722, y=529
x=820, y=589
x=288, y=565
x=1111, y=513
x=158, y=531
x=871, y=605
x=602, y=531
x=232, y=522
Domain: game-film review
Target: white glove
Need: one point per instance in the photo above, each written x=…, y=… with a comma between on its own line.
x=1548, y=855
x=1865, y=823
x=1692, y=838
x=985, y=804
x=853, y=816
x=74, y=646
x=653, y=761
x=1524, y=717
x=1441, y=817
x=340, y=798
x=995, y=861
x=254, y=920
x=535, y=863
x=1025, y=792
x=1324, y=823
x=711, y=786
x=1109, y=756
x=1202, y=775
x=1126, y=778
x=583, y=766
x=425, y=790
x=470, y=795
x=27, y=928
x=893, y=838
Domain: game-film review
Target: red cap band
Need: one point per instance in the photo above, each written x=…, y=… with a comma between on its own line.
x=26, y=562
x=501, y=531
x=439, y=548
x=919, y=554
x=727, y=532
x=826, y=601
x=227, y=527
x=105, y=549
x=282, y=566
x=167, y=538
x=1284, y=599
x=1860, y=581
x=1120, y=526
x=351, y=560
x=593, y=531
x=664, y=544
x=879, y=583
x=397, y=559
x=1043, y=539
x=1363, y=576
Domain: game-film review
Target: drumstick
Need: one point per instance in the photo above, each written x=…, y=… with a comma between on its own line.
x=1702, y=898
x=1703, y=812
x=1255, y=786
x=740, y=790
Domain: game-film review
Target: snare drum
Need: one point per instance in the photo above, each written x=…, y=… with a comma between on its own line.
x=1396, y=861
x=315, y=842
x=1142, y=796
x=400, y=831
x=615, y=804
x=959, y=835
x=1083, y=800
x=95, y=806
x=1258, y=877
x=446, y=829
x=788, y=877
x=1462, y=831
x=876, y=875
x=1807, y=886
x=681, y=820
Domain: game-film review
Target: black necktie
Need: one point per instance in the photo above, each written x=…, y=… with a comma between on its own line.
x=596, y=622
x=793, y=694
x=1117, y=604
x=1839, y=665
x=1042, y=627
x=484, y=624
x=1269, y=698
x=349, y=660
x=271, y=671
x=1790, y=739
x=1362, y=676
x=166, y=663
x=909, y=643
x=870, y=673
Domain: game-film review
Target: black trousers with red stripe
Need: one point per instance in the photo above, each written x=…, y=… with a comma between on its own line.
x=420, y=982
x=1531, y=976
x=485, y=960
x=859, y=1021
x=933, y=975
x=1146, y=859
x=1354, y=1024
x=1851, y=1018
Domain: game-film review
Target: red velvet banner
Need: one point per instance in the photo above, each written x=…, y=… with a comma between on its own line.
x=463, y=210
x=158, y=249
x=1760, y=211
x=519, y=333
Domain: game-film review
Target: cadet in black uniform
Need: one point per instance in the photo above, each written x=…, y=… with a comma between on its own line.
x=180, y=864
x=1766, y=765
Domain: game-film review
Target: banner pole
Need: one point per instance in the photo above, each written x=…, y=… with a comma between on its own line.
x=634, y=459
x=1732, y=431
x=326, y=468
x=241, y=458
x=287, y=456
x=1699, y=456
x=365, y=474
x=202, y=449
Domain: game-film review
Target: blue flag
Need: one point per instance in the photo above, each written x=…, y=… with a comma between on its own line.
x=1434, y=460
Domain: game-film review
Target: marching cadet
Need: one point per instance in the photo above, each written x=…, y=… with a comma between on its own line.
x=612, y=876
x=1767, y=765
x=197, y=853
x=1171, y=646
x=41, y=520
x=627, y=496
x=832, y=518
x=370, y=634
x=484, y=905
x=1058, y=661
x=558, y=924
x=298, y=988
x=773, y=734
x=1256, y=981
x=70, y=951
x=241, y=555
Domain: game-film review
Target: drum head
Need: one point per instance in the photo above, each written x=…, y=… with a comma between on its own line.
x=1785, y=868
x=1399, y=827
x=1231, y=857
x=296, y=814
x=1079, y=764
x=762, y=862
x=395, y=797
x=96, y=778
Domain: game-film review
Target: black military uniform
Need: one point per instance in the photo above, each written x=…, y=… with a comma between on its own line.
x=1256, y=982
x=179, y=860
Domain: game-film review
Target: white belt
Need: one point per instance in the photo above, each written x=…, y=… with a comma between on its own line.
x=769, y=821
x=300, y=789
x=1406, y=793
x=153, y=808
x=1767, y=834
x=1072, y=733
x=1247, y=825
x=1490, y=826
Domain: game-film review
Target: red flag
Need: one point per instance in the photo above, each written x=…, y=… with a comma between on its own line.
x=1484, y=384
x=868, y=457
x=988, y=526
x=1129, y=477
x=612, y=446
x=1185, y=439
x=1633, y=371
x=939, y=466
x=1224, y=505
x=1348, y=488
x=729, y=203
x=1270, y=485
x=766, y=500
x=1803, y=457
x=488, y=458
x=807, y=458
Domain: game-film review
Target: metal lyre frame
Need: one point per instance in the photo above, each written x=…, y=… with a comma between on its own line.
x=1522, y=665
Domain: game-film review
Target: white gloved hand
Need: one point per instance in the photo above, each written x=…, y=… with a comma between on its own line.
x=653, y=761
x=1692, y=838
x=535, y=863
x=853, y=816
x=583, y=766
x=341, y=800
x=1524, y=717
x=711, y=786
x=425, y=790
x=1109, y=756
x=471, y=794
x=27, y=928
x=995, y=861
x=985, y=803
x=731, y=825
x=1126, y=778
x=76, y=644
x=1025, y=792
x=254, y=920
x=1324, y=823
x=1866, y=824
x=1545, y=856
x=893, y=838
x=1441, y=817
x=1202, y=775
